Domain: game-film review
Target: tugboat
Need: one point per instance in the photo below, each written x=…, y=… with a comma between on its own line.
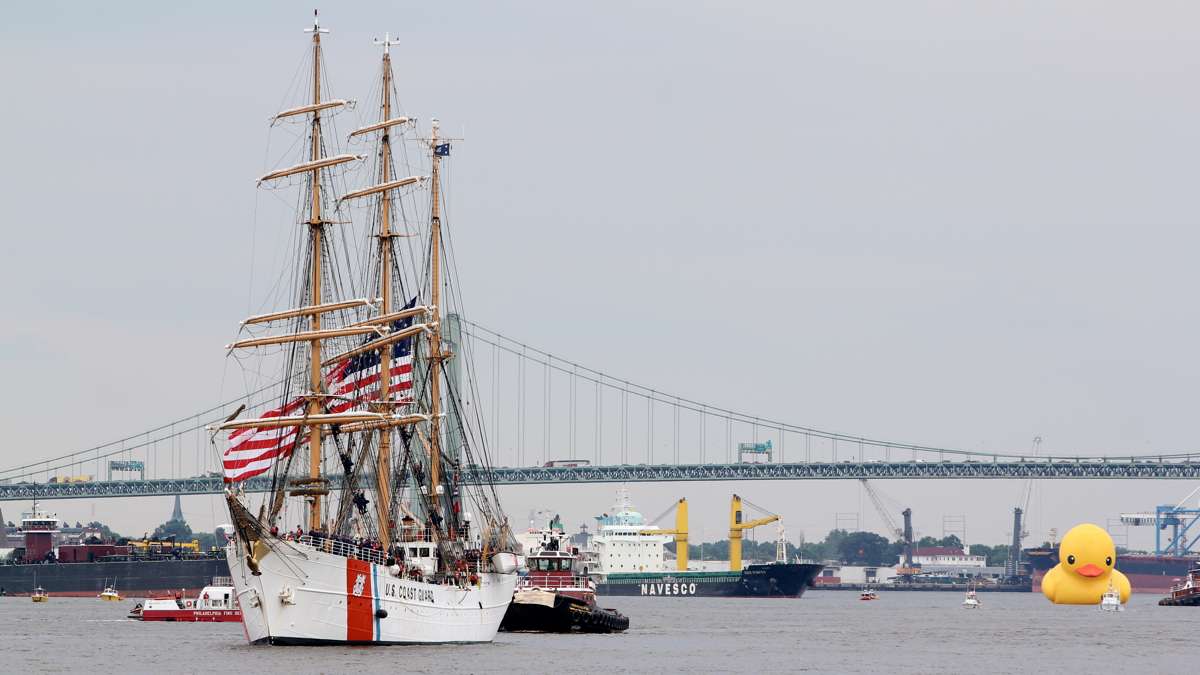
x=868, y=594
x=217, y=602
x=1185, y=593
x=39, y=595
x=553, y=598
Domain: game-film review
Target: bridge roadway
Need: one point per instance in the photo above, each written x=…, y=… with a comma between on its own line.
x=1092, y=468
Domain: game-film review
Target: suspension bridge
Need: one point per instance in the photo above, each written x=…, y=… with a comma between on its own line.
x=552, y=420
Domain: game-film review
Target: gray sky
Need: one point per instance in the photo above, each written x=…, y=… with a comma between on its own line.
x=957, y=224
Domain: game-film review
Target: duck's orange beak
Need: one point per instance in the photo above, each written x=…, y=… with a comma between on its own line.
x=1090, y=570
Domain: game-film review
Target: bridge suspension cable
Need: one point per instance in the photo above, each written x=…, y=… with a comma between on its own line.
x=625, y=388
x=684, y=436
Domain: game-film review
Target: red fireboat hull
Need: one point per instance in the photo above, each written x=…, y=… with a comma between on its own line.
x=213, y=615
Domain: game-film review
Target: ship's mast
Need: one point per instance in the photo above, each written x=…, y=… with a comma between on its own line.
x=315, y=224
x=435, y=337
x=383, y=467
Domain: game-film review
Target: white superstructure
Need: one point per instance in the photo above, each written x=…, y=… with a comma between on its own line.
x=625, y=543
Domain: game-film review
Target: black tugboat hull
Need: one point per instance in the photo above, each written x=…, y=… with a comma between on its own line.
x=774, y=580
x=568, y=615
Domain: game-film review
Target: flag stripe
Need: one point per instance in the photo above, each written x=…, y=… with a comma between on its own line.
x=255, y=450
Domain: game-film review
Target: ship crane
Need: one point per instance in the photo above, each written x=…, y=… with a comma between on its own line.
x=680, y=532
x=736, y=525
x=904, y=534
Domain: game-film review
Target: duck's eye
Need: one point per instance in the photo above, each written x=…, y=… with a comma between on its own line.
x=1070, y=560
x=1108, y=561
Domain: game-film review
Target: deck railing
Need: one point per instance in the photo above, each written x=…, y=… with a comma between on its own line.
x=548, y=580
x=344, y=549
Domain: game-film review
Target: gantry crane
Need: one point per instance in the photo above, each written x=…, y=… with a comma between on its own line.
x=736, y=525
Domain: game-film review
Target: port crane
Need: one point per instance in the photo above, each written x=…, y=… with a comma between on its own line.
x=1012, y=566
x=736, y=526
x=904, y=534
x=1180, y=519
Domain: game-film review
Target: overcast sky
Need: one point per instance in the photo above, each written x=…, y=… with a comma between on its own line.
x=956, y=224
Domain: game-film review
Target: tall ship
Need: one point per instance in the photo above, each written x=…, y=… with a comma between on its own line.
x=84, y=567
x=373, y=531
x=628, y=557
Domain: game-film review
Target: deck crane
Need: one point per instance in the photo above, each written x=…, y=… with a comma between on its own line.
x=904, y=534
x=736, y=526
x=680, y=532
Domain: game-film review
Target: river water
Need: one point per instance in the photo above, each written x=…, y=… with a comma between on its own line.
x=824, y=632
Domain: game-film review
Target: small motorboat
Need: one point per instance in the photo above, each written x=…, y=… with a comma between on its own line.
x=39, y=595
x=972, y=600
x=868, y=594
x=1111, y=600
x=110, y=594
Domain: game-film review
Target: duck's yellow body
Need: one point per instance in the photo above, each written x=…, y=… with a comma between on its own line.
x=1086, y=568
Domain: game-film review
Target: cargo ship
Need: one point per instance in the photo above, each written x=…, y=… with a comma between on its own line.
x=1147, y=573
x=142, y=568
x=627, y=556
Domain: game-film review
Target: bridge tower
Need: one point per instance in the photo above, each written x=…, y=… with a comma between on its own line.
x=177, y=514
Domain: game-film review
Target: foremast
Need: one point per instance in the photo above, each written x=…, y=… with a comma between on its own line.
x=308, y=326
x=316, y=232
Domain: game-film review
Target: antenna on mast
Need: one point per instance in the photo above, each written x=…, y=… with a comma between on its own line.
x=316, y=27
x=386, y=42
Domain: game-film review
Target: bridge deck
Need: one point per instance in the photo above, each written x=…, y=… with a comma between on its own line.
x=1091, y=469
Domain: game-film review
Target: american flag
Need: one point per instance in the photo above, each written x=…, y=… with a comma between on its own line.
x=253, y=451
x=355, y=379
x=352, y=381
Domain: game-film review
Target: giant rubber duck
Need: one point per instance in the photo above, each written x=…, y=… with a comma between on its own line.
x=1086, y=568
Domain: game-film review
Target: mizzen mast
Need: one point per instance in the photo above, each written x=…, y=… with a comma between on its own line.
x=435, y=337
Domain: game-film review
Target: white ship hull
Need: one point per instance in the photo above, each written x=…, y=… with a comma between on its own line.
x=307, y=596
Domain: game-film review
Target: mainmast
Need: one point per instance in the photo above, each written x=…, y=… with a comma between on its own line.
x=435, y=337
x=316, y=225
x=383, y=467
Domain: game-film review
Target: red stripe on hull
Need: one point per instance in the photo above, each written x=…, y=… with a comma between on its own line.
x=360, y=610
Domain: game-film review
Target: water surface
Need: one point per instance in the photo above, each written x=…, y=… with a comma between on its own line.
x=824, y=632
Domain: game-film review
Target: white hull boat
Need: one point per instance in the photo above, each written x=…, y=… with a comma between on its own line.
x=307, y=596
